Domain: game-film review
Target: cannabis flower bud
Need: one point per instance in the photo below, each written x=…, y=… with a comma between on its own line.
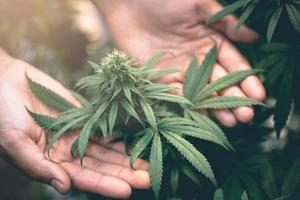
x=116, y=66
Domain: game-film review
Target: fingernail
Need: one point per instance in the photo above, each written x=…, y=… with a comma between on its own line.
x=58, y=186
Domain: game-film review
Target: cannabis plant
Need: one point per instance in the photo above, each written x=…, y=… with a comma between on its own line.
x=121, y=96
x=278, y=8
x=282, y=63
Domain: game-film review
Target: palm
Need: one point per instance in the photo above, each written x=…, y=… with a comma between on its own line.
x=104, y=165
x=143, y=28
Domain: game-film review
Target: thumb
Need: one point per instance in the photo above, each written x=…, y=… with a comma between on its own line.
x=30, y=159
x=228, y=24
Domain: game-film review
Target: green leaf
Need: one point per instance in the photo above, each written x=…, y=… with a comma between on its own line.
x=294, y=16
x=283, y=198
x=127, y=93
x=103, y=126
x=275, y=73
x=156, y=164
x=142, y=143
x=275, y=47
x=196, y=158
x=130, y=110
x=158, y=88
x=284, y=99
x=251, y=187
x=90, y=82
x=49, y=97
x=74, y=148
x=168, y=97
x=101, y=109
x=209, y=125
x=246, y=14
x=190, y=174
x=292, y=180
x=196, y=78
x=232, y=188
x=222, y=102
x=174, y=179
x=176, y=121
x=269, y=61
x=88, y=128
x=117, y=91
x=160, y=73
x=82, y=100
x=196, y=133
x=43, y=121
x=244, y=196
x=219, y=194
x=261, y=165
x=84, y=138
x=94, y=65
x=273, y=23
x=152, y=62
x=226, y=11
x=63, y=130
x=149, y=113
x=190, y=77
x=113, y=116
x=226, y=81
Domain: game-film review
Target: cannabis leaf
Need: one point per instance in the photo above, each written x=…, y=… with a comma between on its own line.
x=49, y=97
x=223, y=102
x=273, y=23
x=156, y=164
x=228, y=80
x=43, y=121
x=281, y=62
x=197, y=76
x=141, y=144
x=174, y=174
x=207, y=124
x=292, y=179
x=173, y=129
x=196, y=158
x=198, y=91
x=227, y=11
x=291, y=7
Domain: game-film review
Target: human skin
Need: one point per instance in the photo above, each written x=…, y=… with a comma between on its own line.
x=105, y=169
x=142, y=28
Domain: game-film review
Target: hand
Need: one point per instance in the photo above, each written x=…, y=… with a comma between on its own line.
x=142, y=28
x=105, y=169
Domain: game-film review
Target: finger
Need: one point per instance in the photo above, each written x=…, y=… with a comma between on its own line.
x=34, y=163
x=232, y=60
x=92, y=181
x=135, y=178
x=228, y=24
x=100, y=152
x=243, y=114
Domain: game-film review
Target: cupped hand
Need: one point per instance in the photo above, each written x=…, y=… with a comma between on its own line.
x=142, y=28
x=105, y=169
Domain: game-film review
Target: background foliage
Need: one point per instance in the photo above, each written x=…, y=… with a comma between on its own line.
x=262, y=167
